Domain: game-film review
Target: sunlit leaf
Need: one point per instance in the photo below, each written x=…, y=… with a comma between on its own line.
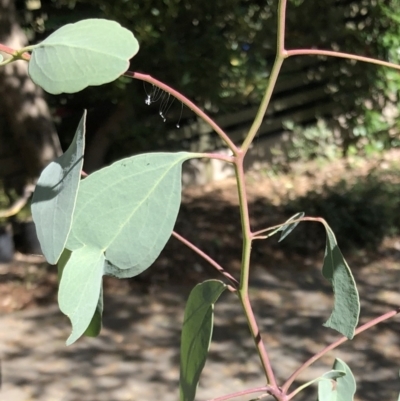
x=288, y=228
x=339, y=389
x=95, y=324
x=196, y=335
x=128, y=210
x=89, y=52
x=124, y=215
x=80, y=288
x=346, y=309
x=55, y=195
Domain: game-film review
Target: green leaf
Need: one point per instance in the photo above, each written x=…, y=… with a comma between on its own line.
x=288, y=228
x=55, y=195
x=123, y=217
x=341, y=388
x=328, y=376
x=346, y=309
x=80, y=288
x=114, y=271
x=89, y=52
x=94, y=327
x=95, y=324
x=1, y=58
x=128, y=210
x=196, y=335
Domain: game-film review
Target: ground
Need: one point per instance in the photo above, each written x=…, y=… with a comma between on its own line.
x=136, y=355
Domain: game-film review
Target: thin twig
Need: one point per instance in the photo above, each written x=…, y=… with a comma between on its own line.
x=329, y=53
x=19, y=203
x=243, y=392
x=207, y=258
x=334, y=345
x=188, y=103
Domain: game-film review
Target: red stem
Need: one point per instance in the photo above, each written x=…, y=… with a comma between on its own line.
x=188, y=103
x=335, y=344
x=329, y=53
x=207, y=258
x=266, y=389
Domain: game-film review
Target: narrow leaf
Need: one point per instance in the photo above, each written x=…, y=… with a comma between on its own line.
x=288, y=228
x=346, y=309
x=339, y=389
x=55, y=195
x=196, y=335
x=89, y=52
x=80, y=288
x=128, y=210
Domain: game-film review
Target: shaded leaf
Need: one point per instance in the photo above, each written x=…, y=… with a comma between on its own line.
x=196, y=335
x=114, y=271
x=346, y=309
x=80, y=288
x=89, y=52
x=55, y=195
x=288, y=228
x=128, y=210
x=341, y=388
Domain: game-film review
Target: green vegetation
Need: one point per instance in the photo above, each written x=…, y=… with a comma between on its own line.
x=117, y=220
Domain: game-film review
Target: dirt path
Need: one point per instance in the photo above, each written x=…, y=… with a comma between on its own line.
x=136, y=356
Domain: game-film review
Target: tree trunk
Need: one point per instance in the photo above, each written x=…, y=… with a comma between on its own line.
x=28, y=139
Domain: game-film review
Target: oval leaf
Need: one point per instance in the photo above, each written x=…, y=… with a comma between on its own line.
x=89, y=52
x=128, y=210
x=55, y=195
x=346, y=309
x=196, y=335
x=80, y=289
x=341, y=388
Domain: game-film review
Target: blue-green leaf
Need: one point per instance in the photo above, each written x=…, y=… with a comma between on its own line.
x=346, y=309
x=89, y=52
x=95, y=324
x=340, y=389
x=80, y=288
x=196, y=335
x=114, y=271
x=54, y=198
x=288, y=228
x=124, y=215
x=128, y=210
x=328, y=376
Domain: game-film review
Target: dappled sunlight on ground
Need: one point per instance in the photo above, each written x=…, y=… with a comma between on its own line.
x=136, y=356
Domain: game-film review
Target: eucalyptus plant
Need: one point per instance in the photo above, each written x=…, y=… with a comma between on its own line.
x=117, y=220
